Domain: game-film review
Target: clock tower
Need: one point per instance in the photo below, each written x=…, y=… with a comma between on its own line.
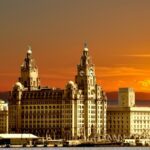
x=29, y=72
x=85, y=78
x=93, y=98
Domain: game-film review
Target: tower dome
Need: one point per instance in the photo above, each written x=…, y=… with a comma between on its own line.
x=85, y=47
x=18, y=85
x=70, y=84
x=29, y=50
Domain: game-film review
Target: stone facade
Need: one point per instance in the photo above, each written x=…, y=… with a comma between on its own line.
x=3, y=117
x=77, y=111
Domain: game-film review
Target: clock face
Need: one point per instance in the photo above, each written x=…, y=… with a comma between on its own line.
x=81, y=73
x=91, y=72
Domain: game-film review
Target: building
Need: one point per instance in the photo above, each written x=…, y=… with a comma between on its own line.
x=126, y=97
x=17, y=139
x=3, y=117
x=126, y=119
x=77, y=111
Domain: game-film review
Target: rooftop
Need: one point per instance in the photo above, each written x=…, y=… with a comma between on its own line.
x=17, y=136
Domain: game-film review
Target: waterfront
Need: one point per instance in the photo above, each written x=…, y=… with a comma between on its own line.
x=86, y=148
x=67, y=104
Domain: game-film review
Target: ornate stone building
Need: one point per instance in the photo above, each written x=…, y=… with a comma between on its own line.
x=77, y=111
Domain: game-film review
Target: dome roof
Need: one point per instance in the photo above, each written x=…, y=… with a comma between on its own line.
x=71, y=82
x=86, y=49
x=18, y=85
x=29, y=51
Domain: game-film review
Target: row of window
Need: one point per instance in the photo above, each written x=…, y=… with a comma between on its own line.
x=41, y=116
x=118, y=126
x=117, y=122
x=142, y=126
x=141, y=121
x=141, y=113
x=142, y=117
x=136, y=114
x=118, y=118
x=42, y=95
x=41, y=101
x=41, y=107
x=46, y=121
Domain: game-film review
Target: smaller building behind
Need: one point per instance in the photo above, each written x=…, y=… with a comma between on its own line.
x=126, y=120
x=3, y=117
x=126, y=97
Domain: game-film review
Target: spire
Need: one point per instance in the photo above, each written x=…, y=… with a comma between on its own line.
x=85, y=55
x=85, y=46
x=29, y=50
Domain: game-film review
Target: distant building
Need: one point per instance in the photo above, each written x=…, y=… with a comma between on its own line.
x=127, y=120
x=77, y=111
x=3, y=117
x=126, y=97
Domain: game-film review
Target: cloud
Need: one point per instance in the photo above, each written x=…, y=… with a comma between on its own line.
x=61, y=73
x=8, y=74
x=145, y=83
x=137, y=55
x=121, y=71
x=101, y=72
x=112, y=78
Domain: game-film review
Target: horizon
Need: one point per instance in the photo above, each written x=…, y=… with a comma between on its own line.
x=116, y=32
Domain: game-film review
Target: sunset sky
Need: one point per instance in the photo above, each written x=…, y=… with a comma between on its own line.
x=117, y=32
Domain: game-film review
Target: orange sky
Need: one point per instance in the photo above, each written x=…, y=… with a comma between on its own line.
x=118, y=35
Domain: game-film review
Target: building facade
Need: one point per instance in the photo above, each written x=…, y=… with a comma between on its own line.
x=77, y=111
x=126, y=119
x=3, y=117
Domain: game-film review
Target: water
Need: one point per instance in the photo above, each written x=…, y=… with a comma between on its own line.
x=82, y=148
